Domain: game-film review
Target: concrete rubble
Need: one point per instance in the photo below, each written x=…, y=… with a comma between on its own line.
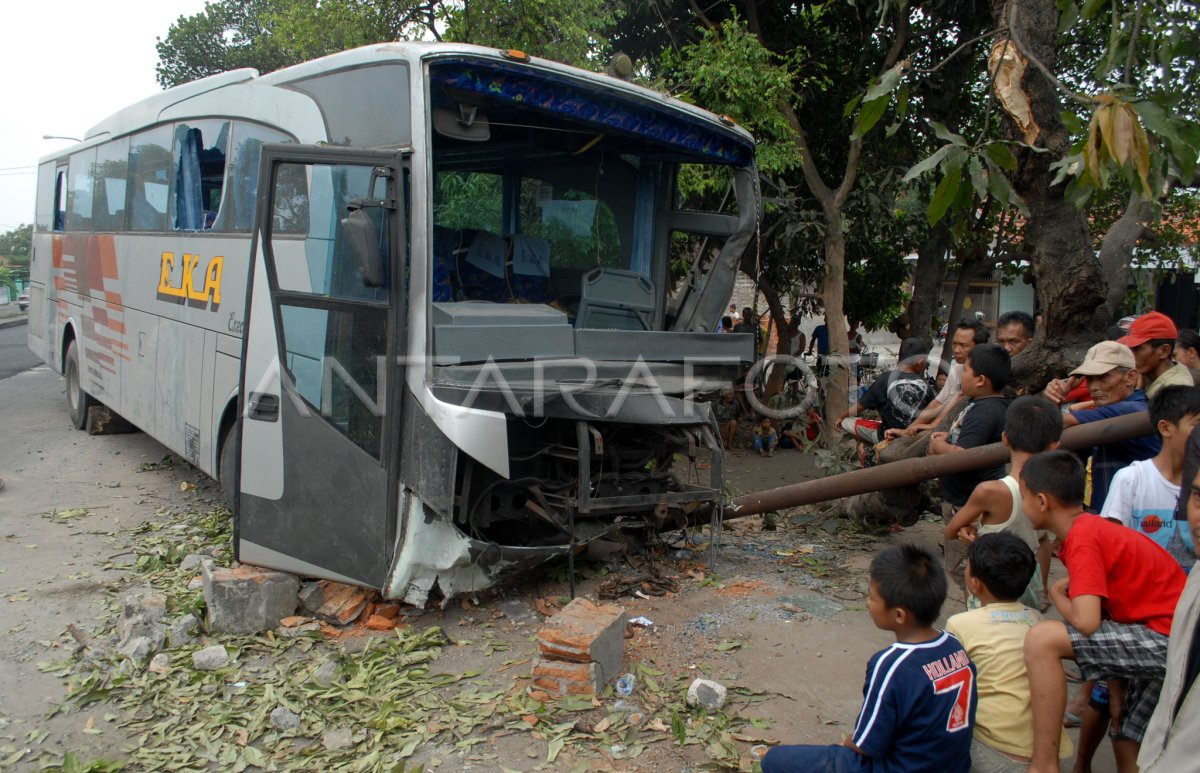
x=140, y=629
x=580, y=649
x=210, y=658
x=707, y=693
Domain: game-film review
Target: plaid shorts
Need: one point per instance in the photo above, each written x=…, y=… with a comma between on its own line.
x=1131, y=652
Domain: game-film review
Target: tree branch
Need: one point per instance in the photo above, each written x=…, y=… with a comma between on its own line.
x=1133, y=36
x=856, y=145
x=701, y=15
x=957, y=51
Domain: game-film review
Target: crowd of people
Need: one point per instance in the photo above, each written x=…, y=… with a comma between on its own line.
x=989, y=692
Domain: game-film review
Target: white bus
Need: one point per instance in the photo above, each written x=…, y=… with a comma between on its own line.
x=421, y=291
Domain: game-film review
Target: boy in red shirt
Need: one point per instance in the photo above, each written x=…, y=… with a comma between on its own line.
x=1117, y=608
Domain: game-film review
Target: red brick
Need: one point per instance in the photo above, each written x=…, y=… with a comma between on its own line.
x=378, y=623
x=390, y=611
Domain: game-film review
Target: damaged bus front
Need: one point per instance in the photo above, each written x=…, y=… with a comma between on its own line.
x=511, y=266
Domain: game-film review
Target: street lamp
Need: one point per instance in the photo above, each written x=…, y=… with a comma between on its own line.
x=60, y=137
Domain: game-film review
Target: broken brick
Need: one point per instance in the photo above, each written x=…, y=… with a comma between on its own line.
x=580, y=649
x=380, y=623
x=390, y=611
x=340, y=604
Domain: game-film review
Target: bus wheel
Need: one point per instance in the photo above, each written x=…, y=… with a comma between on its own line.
x=78, y=400
x=227, y=465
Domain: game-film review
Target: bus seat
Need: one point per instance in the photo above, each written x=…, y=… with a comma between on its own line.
x=615, y=299
x=530, y=270
x=482, y=268
x=445, y=243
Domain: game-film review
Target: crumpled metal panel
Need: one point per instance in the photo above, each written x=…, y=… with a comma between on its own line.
x=427, y=458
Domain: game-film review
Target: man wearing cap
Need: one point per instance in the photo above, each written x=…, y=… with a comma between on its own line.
x=1151, y=338
x=1111, y=375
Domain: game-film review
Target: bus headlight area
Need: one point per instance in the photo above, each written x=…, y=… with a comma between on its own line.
x=571, y=482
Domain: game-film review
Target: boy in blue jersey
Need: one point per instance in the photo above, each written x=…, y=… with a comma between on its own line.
x=919, y=697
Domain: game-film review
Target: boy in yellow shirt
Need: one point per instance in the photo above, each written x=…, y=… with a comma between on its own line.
x=999, y=566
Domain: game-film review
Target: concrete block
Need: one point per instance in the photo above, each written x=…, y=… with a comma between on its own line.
x=584, y=632
x=160, y=664
x=247, y=599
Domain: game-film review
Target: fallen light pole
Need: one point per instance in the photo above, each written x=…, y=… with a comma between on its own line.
x=909, y=472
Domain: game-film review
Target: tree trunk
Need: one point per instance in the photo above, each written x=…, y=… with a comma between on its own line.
x=1071, y=285
x=837, y=386
x=967, y=271
x=927, y=285
x=1116, y=250
x=775, y=379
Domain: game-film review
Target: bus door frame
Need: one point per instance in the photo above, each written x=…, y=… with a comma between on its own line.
x=276, y=523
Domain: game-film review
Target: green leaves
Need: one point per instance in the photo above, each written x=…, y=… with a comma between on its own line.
x=876, y=100
x=970, y=174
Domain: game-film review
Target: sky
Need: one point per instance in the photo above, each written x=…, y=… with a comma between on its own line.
x=68, y=65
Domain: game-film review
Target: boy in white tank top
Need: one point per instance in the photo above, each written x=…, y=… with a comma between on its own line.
x=1031, y=425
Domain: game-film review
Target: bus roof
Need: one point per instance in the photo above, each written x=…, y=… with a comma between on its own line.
x=150, y=111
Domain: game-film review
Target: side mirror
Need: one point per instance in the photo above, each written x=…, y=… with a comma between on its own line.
x=364, y=243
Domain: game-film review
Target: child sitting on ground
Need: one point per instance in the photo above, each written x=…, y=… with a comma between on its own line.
x=765, y=438
x=919, y=698
x=993, y=636
x=1117, y=609
x=1032, y=425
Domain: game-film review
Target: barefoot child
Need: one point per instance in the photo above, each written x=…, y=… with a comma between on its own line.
x=919, y=698
x=765, y=437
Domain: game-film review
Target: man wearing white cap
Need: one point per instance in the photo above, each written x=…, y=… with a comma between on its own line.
x=1110, y=371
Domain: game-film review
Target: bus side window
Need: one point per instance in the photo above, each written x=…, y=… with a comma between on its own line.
x=236, y=212
x=149, y=179
x=60, y=199
x=199, y=173
x=112, y=164
x=79, y=191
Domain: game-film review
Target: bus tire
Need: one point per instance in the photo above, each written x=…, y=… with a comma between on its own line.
x=227, y=465
x=78, y=401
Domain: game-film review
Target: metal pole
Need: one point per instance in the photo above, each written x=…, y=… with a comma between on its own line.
x=908, y=472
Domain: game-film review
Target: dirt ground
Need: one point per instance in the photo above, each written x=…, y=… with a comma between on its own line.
x=779, y=618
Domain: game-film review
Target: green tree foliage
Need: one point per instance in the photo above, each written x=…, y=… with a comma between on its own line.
x=270, y=34
x=16, y=245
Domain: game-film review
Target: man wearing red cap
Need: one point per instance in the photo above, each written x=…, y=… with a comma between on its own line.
x=1152, y=339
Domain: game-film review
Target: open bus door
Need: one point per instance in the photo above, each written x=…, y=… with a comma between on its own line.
x=320, y=407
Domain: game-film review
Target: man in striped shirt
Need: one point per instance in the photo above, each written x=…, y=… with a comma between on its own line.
x=919, y=698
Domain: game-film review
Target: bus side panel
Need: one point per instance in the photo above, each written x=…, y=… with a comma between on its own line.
x=226, y=372
x=41, y=313
x=179, y=388
x=139, y=373
x=86, y=274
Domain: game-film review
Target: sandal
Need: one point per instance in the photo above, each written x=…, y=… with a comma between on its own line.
x=1070, y=720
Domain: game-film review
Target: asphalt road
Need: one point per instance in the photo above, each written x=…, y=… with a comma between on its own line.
x=14, y=351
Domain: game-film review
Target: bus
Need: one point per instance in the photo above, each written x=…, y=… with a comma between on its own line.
x=412, y=304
